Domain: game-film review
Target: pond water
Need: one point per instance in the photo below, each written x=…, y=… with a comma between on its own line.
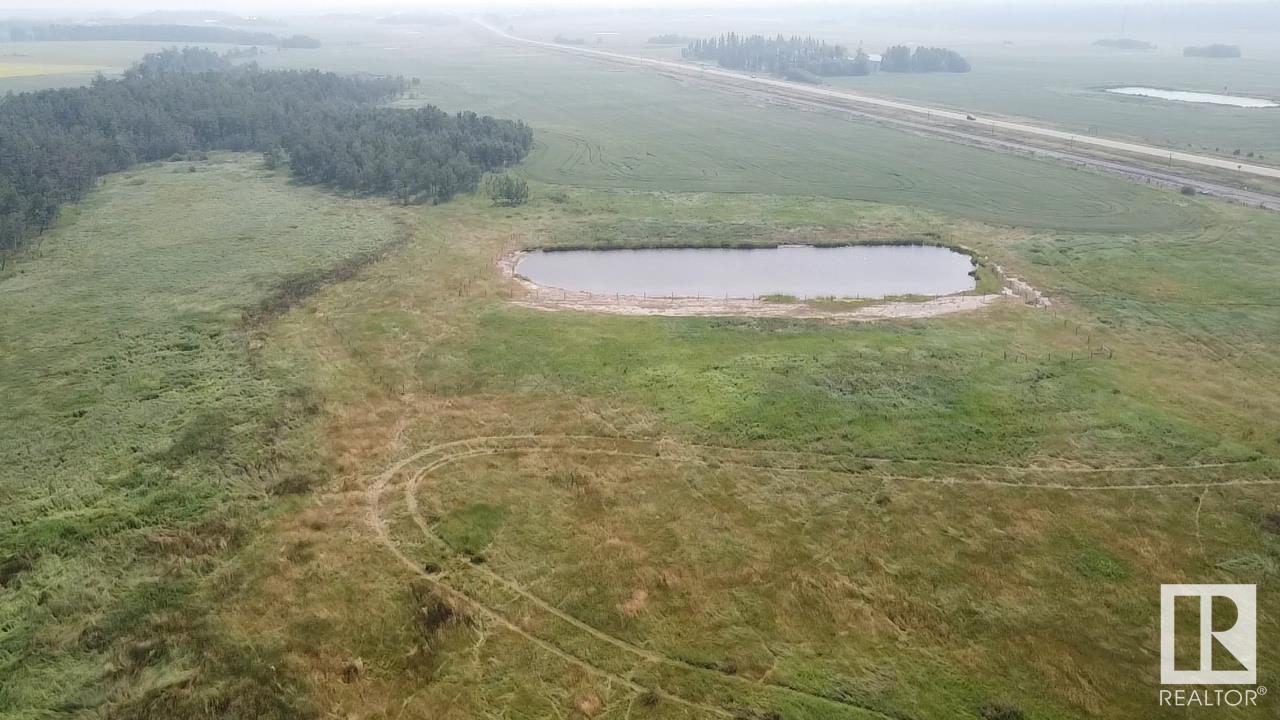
x=863, y=271
x=1196, y=97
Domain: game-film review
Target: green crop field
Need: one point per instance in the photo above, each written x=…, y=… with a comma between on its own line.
x=28, y=66
x=276, y=452
x=1052, y=78
x=15, y=70
x=603, y=127
x=1066, y=90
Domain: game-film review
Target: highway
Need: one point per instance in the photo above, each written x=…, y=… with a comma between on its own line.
x=826, y=96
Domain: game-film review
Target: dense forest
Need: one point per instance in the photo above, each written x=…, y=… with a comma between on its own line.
x=798, y=57
x=778, y=55
x=18, y=31
x=1213, y=51
x=55, y=144
x=903, y=59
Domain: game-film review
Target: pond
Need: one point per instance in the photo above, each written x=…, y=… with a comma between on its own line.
x=851, y=271
x=1196, y=97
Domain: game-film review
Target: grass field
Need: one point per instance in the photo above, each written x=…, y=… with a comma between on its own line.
x=1065, y=91
x=603, y=127
x=242, y=491
x=26, y=66
x=139, y=431
x=16, y=70
x=842, y=474
x=912, y=505
x=1051, y=78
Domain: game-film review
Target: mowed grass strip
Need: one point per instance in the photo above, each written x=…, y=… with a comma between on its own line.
x=13, y=70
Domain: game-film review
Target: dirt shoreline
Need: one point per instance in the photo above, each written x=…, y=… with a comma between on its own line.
x=550, y=299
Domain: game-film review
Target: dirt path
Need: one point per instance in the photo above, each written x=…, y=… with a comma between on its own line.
x=409, y=481
x=539, y=297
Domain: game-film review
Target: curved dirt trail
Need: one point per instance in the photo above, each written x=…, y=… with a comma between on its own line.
x=439, y=456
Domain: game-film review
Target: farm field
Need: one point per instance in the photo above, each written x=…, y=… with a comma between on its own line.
x=1066, y=91
x=277, y=452
x=15, y=70
x=26, y=66
x=642, y=131
x=1052, y=79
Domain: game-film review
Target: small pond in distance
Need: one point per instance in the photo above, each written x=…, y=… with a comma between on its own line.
x=864, y=271
x=1196, y=97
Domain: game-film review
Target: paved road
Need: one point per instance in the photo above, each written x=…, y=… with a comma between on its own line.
x=794, y=90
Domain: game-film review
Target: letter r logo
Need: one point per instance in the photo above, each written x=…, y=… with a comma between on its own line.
x=1241, y=639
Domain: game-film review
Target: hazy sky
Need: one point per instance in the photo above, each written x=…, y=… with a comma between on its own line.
x=280, y=7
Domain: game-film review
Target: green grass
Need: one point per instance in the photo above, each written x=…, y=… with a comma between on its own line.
x=602, y=127
x=471, y=529
x=14, y=70
x=790, y=515
x=1048, y=75
x=1065, y=90
x=830, y=583
x=27, y=66
x=844, y=569
x=139, y=430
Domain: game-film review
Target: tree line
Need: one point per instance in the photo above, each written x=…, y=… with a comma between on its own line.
x=778, y=55
x=55, y=144
x=903, y=59
x=305, y=42
x=19, y=32
x=797, y=57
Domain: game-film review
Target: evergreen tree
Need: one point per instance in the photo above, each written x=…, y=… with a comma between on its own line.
x=330, y=129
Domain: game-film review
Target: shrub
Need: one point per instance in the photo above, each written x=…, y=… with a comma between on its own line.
x=274, y=158
x=505, y=189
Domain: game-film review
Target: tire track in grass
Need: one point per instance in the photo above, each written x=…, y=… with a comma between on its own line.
x=374, y=498
x=519, y=589
x=458, y=450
